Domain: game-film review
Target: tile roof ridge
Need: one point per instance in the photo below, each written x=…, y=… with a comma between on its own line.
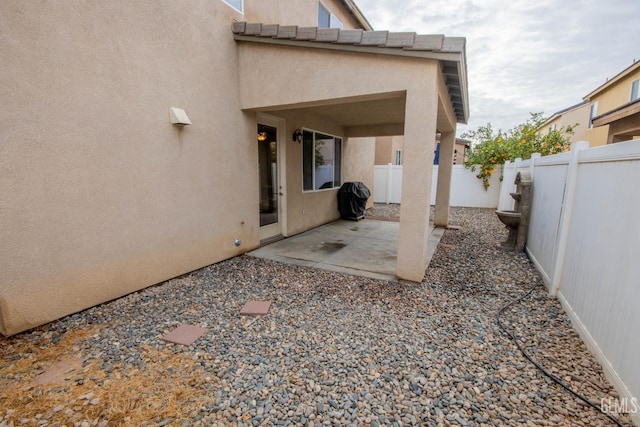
x=371, y=38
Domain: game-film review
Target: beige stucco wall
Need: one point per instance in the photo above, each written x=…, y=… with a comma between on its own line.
x=101, y=195
x=611, y=97
x=351, y=75
x=579, y=116
x=359, y=155
x=386, y=147
x=299, y=12
x=597, y=135
x=306, y=209
x=616, y=94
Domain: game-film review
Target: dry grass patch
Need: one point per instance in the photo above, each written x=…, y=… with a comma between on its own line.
x=171, y=386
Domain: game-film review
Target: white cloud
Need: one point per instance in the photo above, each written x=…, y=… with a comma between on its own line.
x=524, y=56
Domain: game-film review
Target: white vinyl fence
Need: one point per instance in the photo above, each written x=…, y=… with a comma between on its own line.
x=584, y=237
x=466, y=189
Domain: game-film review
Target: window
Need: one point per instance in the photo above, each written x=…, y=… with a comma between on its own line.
x=326, y=19
x=398, y=157
x=635, y=90
x=236, y=4
x=321, y=161
x=335, y=22
x=592, y=113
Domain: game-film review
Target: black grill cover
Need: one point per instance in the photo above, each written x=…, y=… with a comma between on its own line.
x=352, y=200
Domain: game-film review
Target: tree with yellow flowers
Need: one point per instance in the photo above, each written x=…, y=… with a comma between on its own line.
x=490, y=149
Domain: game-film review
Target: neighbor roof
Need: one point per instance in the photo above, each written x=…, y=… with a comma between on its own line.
x=450, y=51
x=633, y=67
x=564, y=110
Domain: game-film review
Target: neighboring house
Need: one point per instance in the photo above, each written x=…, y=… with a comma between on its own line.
x=389, y=150
x=103, y=193
x=575, y=115
x=614, y=109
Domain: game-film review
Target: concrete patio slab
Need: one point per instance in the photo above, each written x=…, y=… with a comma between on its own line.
x=366, y=248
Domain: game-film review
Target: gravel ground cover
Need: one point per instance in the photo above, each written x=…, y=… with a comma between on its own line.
x=334, y=350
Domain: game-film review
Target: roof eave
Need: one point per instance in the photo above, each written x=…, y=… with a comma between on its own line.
x=447, y=50
x=355, y=11
x=612, y=80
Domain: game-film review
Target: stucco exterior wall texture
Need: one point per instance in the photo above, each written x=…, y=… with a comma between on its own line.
x=103, y=196
x=612, y=97
x=386, y=147
x=359, y=156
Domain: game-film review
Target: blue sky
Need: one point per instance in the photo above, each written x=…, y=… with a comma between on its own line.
x=524, y=56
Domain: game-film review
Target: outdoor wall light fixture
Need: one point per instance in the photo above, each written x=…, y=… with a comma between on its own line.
x=262, y=136
x=297, y=136
x=178, y=116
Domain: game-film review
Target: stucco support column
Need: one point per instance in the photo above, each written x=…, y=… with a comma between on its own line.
x=419, y=142
x=443, y=190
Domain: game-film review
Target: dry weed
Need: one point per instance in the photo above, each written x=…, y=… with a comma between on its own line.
x=171, y=386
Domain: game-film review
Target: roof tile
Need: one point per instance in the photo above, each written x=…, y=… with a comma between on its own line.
x=350, y=36
x=269, y=30
x=374, y=38
x=427, y=42
x=239, y=27
x=253, y=29
x=400, y=39
x=306, y=33
x=287, y=32
x=327, y=35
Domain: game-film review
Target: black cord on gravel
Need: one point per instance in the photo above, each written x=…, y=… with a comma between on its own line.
x=554, y=378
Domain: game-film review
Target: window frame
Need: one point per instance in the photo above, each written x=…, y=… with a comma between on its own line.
x=232, y=6
x=334, y=22
x=635, y=85
x=338, y=156
x=398, y=159
x=325, y=9
x=593, y=112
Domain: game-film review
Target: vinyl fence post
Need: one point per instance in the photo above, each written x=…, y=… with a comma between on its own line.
x=566, y=213
x=387, y=195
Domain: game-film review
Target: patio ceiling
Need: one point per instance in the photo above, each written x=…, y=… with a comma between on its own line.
x=374, y=115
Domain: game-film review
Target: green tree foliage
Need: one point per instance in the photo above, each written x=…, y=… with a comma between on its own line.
x=491, y=148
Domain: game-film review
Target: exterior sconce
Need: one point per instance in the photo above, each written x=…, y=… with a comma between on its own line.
x=297, y=136
x=178, y=116
x=262, y=136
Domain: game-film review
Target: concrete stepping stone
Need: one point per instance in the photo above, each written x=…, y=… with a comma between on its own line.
x=255, y=308
x=184, y=334
x=60, y=371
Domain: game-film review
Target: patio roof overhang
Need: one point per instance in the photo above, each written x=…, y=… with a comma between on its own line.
x=449, y=52
x=372, y=83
